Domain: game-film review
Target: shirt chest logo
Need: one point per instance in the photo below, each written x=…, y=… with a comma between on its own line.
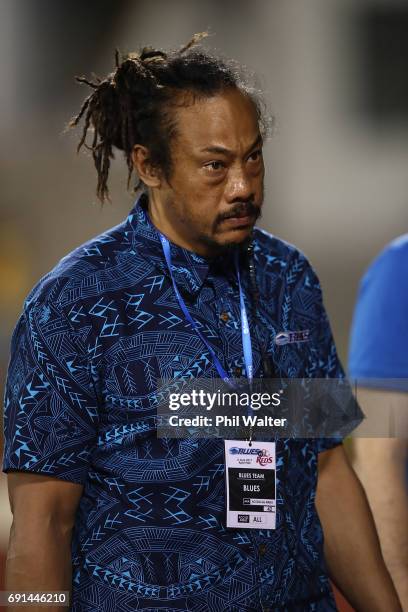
x=290, y=337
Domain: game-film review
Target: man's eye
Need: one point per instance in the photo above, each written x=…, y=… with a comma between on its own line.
x=255, y=155
x=214, y=165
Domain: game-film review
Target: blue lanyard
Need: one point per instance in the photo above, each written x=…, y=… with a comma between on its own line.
x=246, y=336
x=245, y=333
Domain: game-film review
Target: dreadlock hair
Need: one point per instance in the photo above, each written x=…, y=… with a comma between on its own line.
x=133, y=104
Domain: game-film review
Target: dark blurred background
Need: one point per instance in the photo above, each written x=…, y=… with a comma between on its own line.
x=334, y=73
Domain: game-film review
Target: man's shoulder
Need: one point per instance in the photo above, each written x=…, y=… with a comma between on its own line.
x=283, y=262
x=388, y=271
x=394, y=255
x=90, y=267
x=275, y=251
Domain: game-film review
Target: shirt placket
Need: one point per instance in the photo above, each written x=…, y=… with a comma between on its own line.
x=228, y=325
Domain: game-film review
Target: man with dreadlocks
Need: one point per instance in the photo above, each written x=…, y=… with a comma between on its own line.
x=101, y=505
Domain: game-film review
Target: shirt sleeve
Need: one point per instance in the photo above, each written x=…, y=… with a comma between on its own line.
x=50, y=406
x=327, y=365
x=380, y=324
x=323, y=360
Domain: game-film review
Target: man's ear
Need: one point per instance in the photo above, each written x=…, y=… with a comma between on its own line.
x=149, y=174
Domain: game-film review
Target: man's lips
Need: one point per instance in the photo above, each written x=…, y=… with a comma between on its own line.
x=240, y=214
x=240, y=219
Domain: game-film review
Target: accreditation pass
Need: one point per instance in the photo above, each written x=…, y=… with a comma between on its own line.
x=250, y=476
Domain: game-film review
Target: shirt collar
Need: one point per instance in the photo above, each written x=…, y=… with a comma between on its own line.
x=189, y=269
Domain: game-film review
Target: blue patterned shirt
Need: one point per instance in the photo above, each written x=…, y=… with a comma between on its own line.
x=95, y=335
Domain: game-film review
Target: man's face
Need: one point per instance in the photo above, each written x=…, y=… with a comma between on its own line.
x=215, y=192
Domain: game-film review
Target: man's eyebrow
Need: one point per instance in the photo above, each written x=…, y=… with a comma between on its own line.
x=225, y=151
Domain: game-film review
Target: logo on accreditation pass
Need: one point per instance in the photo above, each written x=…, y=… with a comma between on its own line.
x=263, y=457
x=236, y=450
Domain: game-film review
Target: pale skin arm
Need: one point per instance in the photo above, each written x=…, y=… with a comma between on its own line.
x=352, y=548
x=39, y=552
x=380, y=464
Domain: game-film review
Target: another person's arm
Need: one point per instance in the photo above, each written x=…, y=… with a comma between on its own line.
x=381, y=465
x=39, y=553
x=378, y=360
x=352, y=549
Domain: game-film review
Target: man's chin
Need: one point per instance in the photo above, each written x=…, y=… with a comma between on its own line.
x=237, y=235
x=233, y=239
x=224, y=240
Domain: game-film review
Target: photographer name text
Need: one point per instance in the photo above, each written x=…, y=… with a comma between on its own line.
x=225, y=421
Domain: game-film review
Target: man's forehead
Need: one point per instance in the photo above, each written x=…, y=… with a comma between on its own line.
x=228, y=120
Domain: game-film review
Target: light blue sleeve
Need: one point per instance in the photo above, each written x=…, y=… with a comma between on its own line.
x=379, y=335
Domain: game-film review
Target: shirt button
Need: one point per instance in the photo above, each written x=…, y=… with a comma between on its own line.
x=237, y=371
x=224, y=316
x=262, y=549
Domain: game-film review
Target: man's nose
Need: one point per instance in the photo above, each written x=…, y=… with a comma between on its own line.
x=239, y=186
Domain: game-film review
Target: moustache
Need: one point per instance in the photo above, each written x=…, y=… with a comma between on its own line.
x=241, y=209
